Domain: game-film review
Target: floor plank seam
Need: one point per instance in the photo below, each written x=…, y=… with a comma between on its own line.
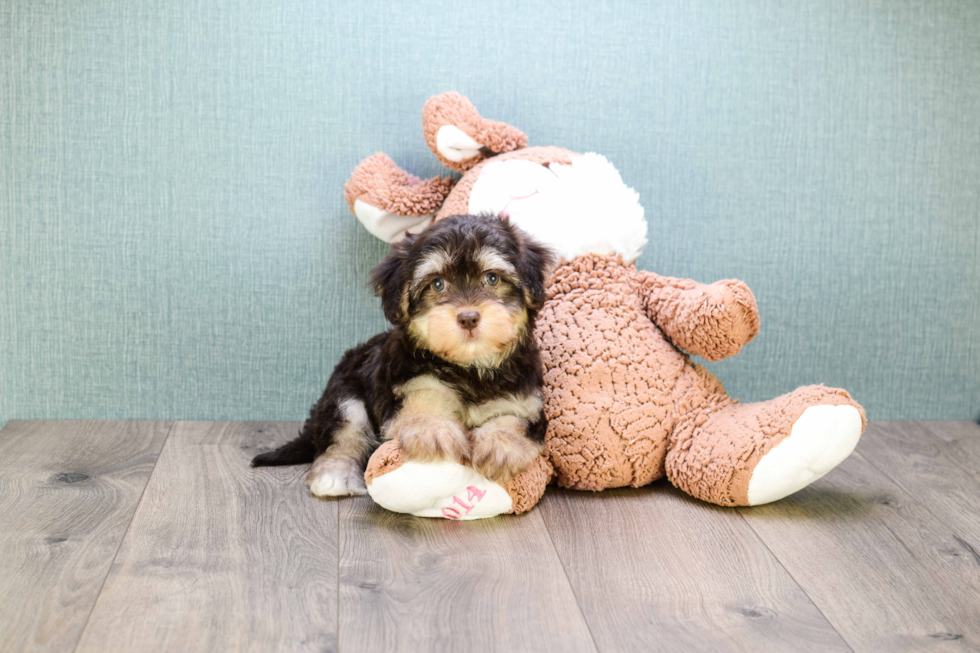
x=132, y=516
x=795, y=581
x=908, y=493
x=568, y=580
x=339, y=549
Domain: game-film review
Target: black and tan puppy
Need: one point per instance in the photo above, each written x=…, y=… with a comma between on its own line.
x=459, y=375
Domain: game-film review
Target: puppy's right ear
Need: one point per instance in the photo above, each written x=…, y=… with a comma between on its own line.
x=390, y=281
x=535, y=264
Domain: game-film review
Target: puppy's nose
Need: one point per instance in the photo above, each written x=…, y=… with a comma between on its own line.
x=468, y=319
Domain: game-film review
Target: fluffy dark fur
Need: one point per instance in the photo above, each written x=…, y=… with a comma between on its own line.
x=373, y=371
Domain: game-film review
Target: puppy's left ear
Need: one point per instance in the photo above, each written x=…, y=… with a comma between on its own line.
x=390, y=281
x=535, y=264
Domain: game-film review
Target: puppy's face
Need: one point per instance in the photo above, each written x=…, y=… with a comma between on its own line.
x=465, y=288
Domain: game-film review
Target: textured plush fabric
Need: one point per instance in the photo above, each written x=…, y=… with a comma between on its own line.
x=527, y=488
x=615, y=386
x=713, y=320
x=174, y=241
x=714, y=449
x=621, y=400
x=380, y=182
x=625, y=405
x=386, y=458
x=454, y=109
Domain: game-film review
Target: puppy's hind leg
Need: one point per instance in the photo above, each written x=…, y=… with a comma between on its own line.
x=339, y=471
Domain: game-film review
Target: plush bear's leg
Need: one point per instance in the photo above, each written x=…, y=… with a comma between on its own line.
x=448, y=489
x=390, y=202
x=750, y=454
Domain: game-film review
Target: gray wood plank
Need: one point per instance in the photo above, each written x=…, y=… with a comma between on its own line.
x=961, y=441
x=938, y=463
x=886, y=573
x=655, y=570
x=962, y=433
x=220, y=556
x=68, y=490
x=412, y=584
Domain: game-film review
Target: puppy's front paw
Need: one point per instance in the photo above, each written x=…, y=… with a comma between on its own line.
x=501, y=448
x=336, y=476
x=426, y=438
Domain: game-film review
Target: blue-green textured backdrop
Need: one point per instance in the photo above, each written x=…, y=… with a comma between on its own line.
x=174, y=241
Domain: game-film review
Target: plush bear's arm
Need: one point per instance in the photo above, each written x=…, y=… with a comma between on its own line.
x=708, y=320
x=390, y=202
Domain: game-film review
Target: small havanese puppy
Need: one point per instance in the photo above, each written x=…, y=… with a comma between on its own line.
x=458, y=377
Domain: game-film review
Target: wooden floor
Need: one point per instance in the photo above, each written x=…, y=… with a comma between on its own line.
x=133, y=536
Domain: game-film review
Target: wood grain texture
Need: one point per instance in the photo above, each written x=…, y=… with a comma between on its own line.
x=655, y=570
x=887, y=574
x=67, y=493
x=938, y=463
x=412, y=584
x=220, y=556
x=881, y=555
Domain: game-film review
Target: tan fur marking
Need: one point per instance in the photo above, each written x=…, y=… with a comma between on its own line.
x=355, y=439
x=491, y=259
x=339, y=470
x=433, y=263
x=501, y=449
x=427, y=394
x=528, y=407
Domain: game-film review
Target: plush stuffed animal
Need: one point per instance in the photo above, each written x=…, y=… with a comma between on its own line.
x=625, y=404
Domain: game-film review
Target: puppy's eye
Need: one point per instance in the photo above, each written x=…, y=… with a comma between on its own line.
x=491, y=279
x=439, y=284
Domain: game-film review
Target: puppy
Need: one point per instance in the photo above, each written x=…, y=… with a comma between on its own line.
x=458, y=377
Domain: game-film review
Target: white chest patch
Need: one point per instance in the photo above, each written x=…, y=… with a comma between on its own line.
x=577, y=209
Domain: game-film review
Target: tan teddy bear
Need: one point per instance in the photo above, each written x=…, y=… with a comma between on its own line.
x=626, y=406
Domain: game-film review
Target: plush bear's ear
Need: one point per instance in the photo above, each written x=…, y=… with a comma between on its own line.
x=535, y=264
x=390, y=202
x=458, y=135
x=390, y=280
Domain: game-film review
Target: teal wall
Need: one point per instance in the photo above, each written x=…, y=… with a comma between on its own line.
x=174, y=241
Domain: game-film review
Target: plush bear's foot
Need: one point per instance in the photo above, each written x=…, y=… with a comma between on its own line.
x=820, y=440
x=448, y=489
x=336, y=476
x=749, y=454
